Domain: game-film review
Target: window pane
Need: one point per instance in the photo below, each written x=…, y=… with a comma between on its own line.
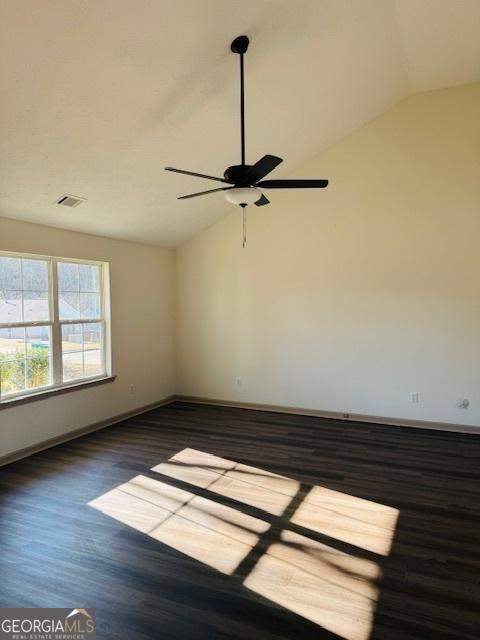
x=38, y=341
x=12, y=344
x=93, y=363
x=10, y=273
x=72, y=366
x=69, y=306
x=38, y=357
x=12, y=376
x=82, y=350
x=72, y=338
x=38, y=370
x=10, y=306
x=12, y=362
x=89, y=278
x=68, y=276
x=35, y=275
x=35, y=306
x=90, y=305
x=92, y=336
x=26, y=353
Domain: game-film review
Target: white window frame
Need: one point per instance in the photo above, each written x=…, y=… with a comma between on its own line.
x=55, y=324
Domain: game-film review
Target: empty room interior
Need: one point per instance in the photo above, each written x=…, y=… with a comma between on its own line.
x=239, y=319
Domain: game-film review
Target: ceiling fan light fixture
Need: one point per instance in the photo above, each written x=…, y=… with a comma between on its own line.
x=243, y=195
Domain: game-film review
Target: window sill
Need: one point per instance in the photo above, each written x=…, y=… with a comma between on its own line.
x=47, y=393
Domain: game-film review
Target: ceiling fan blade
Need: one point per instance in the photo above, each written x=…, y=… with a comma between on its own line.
x=197, y=175
x=292, y=184
x=264, y=166
x=203, y=193
x=263, y=200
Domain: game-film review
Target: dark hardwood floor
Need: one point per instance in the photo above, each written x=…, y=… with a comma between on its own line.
x=57, y=551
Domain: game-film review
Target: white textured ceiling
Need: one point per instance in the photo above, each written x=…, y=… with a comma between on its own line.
x=99, y=95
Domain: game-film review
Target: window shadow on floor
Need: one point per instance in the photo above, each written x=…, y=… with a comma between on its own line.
x=306, y=549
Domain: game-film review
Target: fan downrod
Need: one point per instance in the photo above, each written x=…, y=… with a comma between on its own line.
x=240, y=45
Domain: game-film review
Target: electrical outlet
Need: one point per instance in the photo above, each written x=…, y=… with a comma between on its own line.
x=132, y=389
x=239, y=382
x=414, y=397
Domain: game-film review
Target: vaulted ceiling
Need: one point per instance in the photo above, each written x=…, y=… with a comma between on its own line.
x=99, y=95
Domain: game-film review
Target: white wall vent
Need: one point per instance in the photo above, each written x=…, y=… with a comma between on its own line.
x=70, y=201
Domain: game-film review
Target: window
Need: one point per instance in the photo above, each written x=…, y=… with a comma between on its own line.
x=53, y=323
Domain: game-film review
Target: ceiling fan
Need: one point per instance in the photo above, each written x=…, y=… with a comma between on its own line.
x=245, y=182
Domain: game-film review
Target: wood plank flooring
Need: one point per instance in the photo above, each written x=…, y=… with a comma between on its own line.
x=294, y=527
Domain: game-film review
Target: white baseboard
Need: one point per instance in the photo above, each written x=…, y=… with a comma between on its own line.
x=335, y=415
x=78, y=433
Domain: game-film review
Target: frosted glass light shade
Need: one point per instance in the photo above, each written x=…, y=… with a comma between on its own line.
x=243, y=195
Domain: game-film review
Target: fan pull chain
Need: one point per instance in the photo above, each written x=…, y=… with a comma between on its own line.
x=244, y=212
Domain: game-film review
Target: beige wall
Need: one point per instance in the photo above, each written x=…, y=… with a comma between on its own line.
x=351, y=298
x=142, y=334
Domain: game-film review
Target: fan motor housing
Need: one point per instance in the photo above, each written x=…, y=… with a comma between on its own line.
x=238, y=174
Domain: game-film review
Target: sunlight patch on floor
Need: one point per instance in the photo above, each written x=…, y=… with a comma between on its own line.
x=332, y=587
x=202, y=529
x=365, y=524
x=360, y=522
x=267, y=491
